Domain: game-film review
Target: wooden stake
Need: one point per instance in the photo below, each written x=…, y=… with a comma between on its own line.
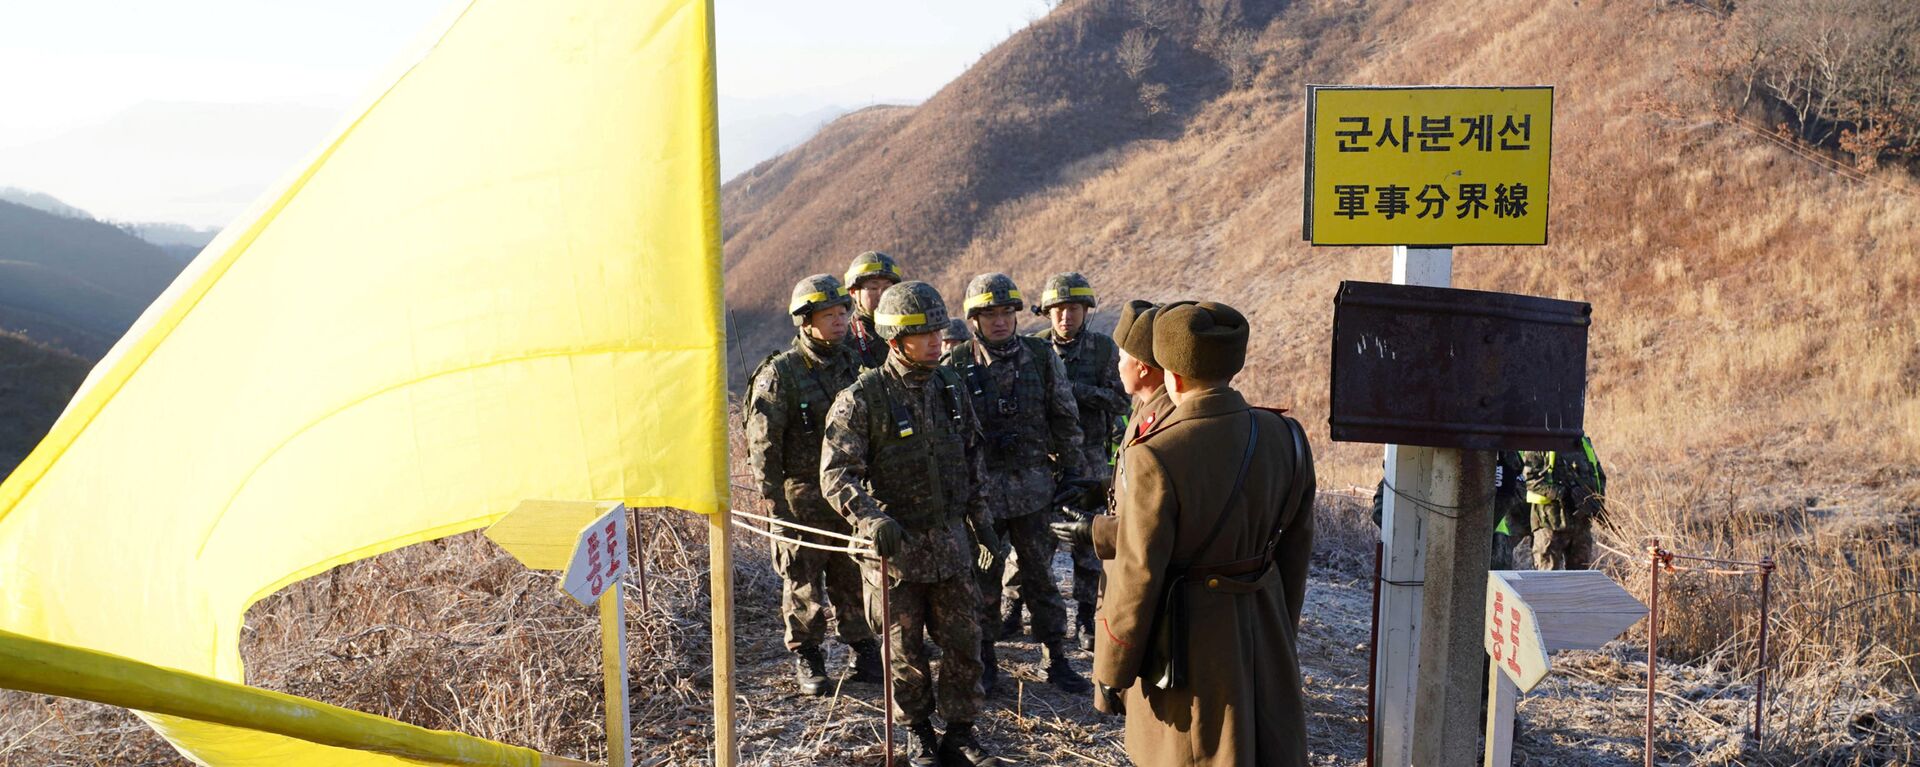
x=726, y=752
x=613, y=662
x=1504, y=699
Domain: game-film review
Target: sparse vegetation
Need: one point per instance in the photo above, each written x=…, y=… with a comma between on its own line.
x=1843, y=73
x=1754, y=377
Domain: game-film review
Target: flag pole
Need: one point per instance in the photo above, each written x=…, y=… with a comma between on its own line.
x=726, y=753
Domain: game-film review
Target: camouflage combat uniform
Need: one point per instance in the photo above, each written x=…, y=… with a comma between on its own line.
x=1567, y=490
x=786, y=419
x=1092, y=362
x=865, y=342
x=1029, y=415
x=928, y=482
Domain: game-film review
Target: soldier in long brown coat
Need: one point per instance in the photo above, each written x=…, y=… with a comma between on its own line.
x=1213, y=504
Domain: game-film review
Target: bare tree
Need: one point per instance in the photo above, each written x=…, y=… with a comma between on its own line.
x=1135, y=53
x=1156, y=14
x=1846, y=71
x=1235, y=52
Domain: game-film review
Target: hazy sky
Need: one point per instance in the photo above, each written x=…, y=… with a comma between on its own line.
x=71, y=65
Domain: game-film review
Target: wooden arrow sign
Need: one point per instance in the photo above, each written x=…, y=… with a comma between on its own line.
x=1531, y=613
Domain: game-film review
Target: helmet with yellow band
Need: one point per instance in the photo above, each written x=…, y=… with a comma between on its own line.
x=992, y=290
x=1066, y=288
x=910, y=308
x=818, y=292
x=870, y=265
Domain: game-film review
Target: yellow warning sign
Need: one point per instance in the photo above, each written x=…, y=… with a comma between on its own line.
x=1428, y=165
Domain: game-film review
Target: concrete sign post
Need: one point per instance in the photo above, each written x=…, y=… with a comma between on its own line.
x=1425, y=169
x=588, y=541
x=1530, y=614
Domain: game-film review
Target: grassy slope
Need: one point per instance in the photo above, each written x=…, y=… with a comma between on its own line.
x=1748, y=306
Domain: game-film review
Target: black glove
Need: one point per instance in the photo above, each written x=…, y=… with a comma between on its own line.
x=1071, y=490
x=887, y=536
x=1076, y=528
x=989, y=546
x=1109, y=700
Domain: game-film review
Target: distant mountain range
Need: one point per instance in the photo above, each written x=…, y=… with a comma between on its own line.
x=74, y=283
x=178, y=240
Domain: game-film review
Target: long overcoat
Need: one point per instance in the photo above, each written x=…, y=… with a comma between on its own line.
x=1243, y=704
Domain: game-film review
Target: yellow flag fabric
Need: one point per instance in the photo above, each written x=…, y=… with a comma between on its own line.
x=498, y=281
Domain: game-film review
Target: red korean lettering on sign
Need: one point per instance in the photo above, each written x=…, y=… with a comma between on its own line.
x=595, y=580
x=1496, y=631
x=615, y=562
x=1513, y=628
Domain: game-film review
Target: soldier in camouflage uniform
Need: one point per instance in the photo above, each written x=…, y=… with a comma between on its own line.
x=902, y=464
x=1568, y=492
x=786, y=419
x=1092, y=360
x=1032, y=429
x=868, y=277
x=956, y=335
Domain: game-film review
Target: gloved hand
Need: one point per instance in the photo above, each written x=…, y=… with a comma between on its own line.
x=1109, y=700
x=989, y=545
x=887, y=537
x=1072, y=491
x=1075, y=528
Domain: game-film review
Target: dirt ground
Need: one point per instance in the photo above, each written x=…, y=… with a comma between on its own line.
x=455, y=635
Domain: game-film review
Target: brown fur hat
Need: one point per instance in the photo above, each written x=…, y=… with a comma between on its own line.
x=1207, y=340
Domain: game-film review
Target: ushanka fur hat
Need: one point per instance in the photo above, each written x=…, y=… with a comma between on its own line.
x=1205, y=340
x=1134, y=331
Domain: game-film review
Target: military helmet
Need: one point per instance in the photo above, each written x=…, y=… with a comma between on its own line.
x=1066, y=288
x=817, y=293
x=990, y=290
x=957, y=330
x=910, y=308
x=872, y=263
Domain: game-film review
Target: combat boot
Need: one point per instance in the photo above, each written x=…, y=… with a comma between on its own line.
x=989, y=668
x=866, y=662
x=810, y=670
x=1060, y=673
x=1010, y=626
x=1083, y=626
x=959, y=749
x=923, y=747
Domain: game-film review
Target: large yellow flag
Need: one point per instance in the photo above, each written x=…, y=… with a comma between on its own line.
x=499, y=281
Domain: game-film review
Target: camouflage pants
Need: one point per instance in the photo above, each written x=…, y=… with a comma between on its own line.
x=1086, y=579
x=948, y=611
x=1033, y=547
x=810, y=579
x=1567, y=548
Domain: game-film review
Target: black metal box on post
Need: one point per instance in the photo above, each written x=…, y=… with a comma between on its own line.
x=1468, y=369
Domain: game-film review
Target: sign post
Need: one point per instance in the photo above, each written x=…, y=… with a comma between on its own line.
x=588, y=541
x=1425, y=169
x=1530, y=614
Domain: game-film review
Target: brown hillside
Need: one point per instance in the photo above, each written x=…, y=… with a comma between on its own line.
x=35, y=383
x=1748, y=303
x=1755, y=354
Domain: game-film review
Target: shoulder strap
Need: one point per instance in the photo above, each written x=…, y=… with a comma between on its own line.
x=1297, y=491
x=1239, y=481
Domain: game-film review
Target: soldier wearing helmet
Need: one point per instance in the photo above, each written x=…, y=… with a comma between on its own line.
x=1092, y=361
x=786, y=419
x=868, y=277
x=1032, y=430
x=956, y=335
x=903, y=465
